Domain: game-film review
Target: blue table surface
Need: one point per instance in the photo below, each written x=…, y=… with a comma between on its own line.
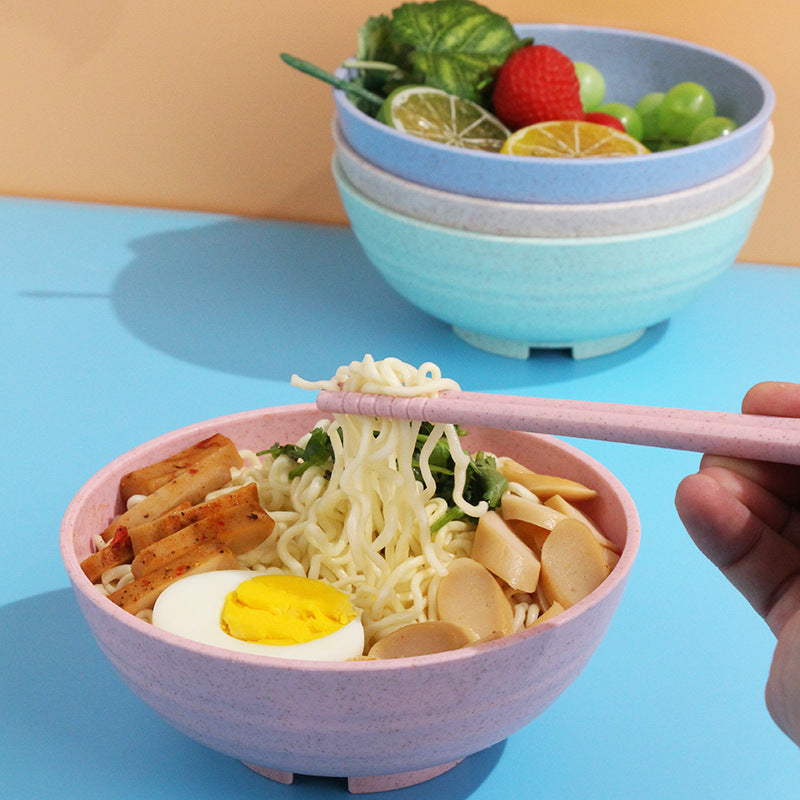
x=121, y=324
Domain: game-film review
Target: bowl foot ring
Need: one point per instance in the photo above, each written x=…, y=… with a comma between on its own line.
x=512, y=348
x=364, y=784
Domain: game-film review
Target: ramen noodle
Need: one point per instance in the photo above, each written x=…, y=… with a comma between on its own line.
x=369, y=520
x=366, y=528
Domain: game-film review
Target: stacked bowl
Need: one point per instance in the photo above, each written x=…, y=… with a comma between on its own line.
x=519, y=253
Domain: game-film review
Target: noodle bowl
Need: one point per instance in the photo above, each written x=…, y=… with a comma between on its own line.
x=354, y=718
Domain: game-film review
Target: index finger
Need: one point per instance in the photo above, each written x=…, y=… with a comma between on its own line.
x=774, y=398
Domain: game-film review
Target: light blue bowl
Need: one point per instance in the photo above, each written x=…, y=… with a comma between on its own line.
x=508, y=294
x=633, y=63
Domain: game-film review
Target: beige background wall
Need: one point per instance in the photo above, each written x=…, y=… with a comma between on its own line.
x=185, y=103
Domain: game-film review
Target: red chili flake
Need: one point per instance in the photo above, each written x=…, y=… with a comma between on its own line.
x=120, y=537
x=193, y=471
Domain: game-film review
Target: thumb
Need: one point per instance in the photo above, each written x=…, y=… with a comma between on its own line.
x=783, y=686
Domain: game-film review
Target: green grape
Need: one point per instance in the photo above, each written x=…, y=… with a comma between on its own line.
x=683, y=108
x=712, y=128
x=662, y=145
x=647, y=108
x=592, y=83
x=628, y=116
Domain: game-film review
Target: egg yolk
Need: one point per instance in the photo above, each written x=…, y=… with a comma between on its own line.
x=284, y=610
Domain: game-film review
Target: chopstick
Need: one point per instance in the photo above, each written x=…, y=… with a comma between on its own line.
x=752, y=436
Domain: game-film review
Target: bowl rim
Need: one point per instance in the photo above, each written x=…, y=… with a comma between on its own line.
x=514, y=206
x=753, y=195
x=526, y=29
x=135, y=626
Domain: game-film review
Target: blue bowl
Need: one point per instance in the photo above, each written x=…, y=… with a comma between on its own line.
x=509, y=294
x=633, y=63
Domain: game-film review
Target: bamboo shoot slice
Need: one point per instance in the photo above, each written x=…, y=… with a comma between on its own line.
x=504, y=554
x=558, y=503
x=513, y=506
x=544, y=486
x=422, y=638
x=469, y=595
x=554, y=610
x=573, y=563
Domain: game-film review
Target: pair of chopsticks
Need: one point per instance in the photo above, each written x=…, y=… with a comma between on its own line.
x=724, y=433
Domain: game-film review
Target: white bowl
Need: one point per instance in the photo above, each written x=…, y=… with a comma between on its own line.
x=505, y=218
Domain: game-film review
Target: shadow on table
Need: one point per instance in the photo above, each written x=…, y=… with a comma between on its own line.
x=265, y=299
x=73, y=729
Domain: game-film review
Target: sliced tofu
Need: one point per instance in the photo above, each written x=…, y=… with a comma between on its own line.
x=142, y=593
x=147, y=479
x=117, y=552
x=184, y=515
x=188, y=486
x=239, y=527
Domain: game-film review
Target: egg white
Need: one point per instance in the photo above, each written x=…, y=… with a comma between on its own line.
x=191, y=607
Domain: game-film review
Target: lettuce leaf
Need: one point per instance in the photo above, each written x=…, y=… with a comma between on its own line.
x=454, y=45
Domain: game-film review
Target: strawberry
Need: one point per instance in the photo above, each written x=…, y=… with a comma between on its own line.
x=600, y=118
x=537, y=83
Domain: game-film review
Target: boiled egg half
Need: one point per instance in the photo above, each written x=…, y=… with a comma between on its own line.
x=282, y=616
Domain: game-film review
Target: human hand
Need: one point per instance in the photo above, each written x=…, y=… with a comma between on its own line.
x=745, y=517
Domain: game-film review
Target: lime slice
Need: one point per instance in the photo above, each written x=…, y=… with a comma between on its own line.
x=571, y=139
x=437, y=116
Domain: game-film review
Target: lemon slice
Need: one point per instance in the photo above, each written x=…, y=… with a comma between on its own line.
x=571, y=139
x=435, y=115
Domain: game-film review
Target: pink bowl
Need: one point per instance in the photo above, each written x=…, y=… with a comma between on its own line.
x=381, y=724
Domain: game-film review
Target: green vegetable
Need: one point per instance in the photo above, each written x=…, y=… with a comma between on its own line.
x=381, y=62
x=483, y=480
x=317, y=452
x=454, y=45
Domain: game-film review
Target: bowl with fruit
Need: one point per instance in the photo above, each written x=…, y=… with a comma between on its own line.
x=453, y=96
x=352, y=699
x=591, y=295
